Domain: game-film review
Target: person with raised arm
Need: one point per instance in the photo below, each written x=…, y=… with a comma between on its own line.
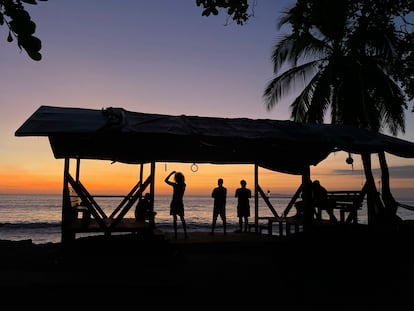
x=177, y=203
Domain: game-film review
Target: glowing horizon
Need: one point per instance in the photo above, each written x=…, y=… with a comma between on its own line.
x=102, y=177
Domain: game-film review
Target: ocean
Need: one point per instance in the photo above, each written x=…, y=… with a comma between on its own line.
x=37, y=217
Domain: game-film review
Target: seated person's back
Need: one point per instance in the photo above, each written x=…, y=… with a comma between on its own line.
x=143, y=209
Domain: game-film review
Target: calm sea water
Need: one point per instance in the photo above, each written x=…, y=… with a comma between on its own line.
x=38, y=217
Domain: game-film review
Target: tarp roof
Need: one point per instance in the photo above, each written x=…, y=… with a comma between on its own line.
x=132, y=137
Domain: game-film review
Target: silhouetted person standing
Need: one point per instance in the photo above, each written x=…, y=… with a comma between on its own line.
x=177, y=203
x=219, y=209
x=243, y=196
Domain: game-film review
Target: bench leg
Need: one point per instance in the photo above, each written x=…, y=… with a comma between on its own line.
x=287, y=228
x=281, y=228
x=352, y=217
x=270, y=228
x=342, y=216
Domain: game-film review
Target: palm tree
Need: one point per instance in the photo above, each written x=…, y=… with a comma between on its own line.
x=342, y=54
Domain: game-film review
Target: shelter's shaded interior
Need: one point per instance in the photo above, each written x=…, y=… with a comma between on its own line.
x=169, y=148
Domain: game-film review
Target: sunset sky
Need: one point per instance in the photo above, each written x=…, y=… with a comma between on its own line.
x=151, y=56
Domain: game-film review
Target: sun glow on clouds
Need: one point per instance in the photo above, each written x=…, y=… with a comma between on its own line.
x=104, y=177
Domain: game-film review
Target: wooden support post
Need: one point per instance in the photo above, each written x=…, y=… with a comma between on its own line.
x=66, y=234
x=256, y=198
x=307, y=198
x=152, y=194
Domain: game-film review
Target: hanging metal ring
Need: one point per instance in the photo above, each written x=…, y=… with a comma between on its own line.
x=349, y=159
x=194, y=167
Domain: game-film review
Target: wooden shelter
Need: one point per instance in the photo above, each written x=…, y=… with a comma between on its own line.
x=116, y=134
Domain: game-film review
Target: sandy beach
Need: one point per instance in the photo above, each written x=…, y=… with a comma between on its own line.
x=325, y=269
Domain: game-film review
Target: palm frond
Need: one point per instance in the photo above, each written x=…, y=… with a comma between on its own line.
x=283, y=84
x=290, y=49
x=300, y=106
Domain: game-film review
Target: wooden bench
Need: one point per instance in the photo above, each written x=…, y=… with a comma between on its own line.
x=79, y=211
x=83, y=222
x=126, y=225
x=269, y=225
x=347, y=202
x=285, y=225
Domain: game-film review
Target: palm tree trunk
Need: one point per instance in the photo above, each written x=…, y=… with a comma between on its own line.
x=385, y=182
x=390, y=204
x=374, y=210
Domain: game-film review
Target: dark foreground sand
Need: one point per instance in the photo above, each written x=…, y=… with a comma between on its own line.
x=323, y=270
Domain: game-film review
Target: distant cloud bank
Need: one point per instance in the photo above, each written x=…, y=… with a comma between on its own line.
x=406, y=171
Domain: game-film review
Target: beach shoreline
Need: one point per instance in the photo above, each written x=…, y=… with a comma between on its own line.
x=318, y=270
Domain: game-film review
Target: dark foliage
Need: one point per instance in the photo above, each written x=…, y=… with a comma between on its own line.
x=236, y=10
x=21, y=27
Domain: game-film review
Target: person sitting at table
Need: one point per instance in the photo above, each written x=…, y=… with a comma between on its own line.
x=320, y=199
x=300, y=207
x=143, y=209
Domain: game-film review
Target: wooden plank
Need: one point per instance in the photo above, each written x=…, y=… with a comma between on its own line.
x=126, y=199
x=267, y=201
x=131, y=202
